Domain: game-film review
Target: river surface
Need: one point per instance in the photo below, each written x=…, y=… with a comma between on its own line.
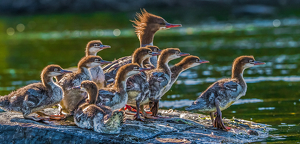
x=29, y=43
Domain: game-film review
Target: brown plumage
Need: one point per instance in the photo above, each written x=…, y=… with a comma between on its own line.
x=99, y=118
x=97, y=45
x=73, y=97
x=37, y=96
x=116, y=96
x=146, y=25
x=221, y=94
x=147, y=63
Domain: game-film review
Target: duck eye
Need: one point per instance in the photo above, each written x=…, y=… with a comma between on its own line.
x=55, y=69
x=97, y=60
x=95, y=45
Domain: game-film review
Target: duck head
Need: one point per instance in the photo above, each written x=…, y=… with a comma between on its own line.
x=94, y=46
x=91, y=89
x=191, y=61
x=53, y=70
x=91, y=61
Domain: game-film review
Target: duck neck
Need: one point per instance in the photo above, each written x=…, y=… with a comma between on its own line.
x=163, y=64
x=83, y=70
x=48, y=82
x=138, y=59
x=120, y=83
x=237, y=73
x=176, y=70
x=88, y=53
x=146, y=38
x=92, y=96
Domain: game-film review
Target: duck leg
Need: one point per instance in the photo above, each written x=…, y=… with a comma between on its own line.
x=212, y=115
x=154, y=105
x=137, y=115
x=218, y=123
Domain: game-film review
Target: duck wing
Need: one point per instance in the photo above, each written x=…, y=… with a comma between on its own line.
x=157, y=81
x=111, y=72
x=106, y=67
x=221, y=89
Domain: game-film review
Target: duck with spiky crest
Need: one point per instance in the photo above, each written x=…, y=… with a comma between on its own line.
x=37, y=96
x=98, y=118
x=221, y=94
x=146, y=25
x=73, y=97
x=92, y=48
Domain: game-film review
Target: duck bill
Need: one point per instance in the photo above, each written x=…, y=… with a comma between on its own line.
x=259, y=63
x=65, y=71
x=184, y=54
x=144, y=69
x=203, y=61
x=105, y=62
x=168, y=25
x=155, y=53
x=104, y=46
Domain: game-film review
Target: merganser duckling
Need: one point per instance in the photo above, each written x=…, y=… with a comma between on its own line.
x=37, y=96
x=116, y=97
x=221, y=94
x=139, y=56
x=146, y=25
x=99, y=118
x=147, y=63
x=92, y=48
x=161, y=76
x=73, y=97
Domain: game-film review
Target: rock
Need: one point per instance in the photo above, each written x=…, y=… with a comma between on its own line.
x=191, y=128
x=252, y=132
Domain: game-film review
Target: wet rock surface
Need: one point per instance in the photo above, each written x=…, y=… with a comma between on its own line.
x=181, y=127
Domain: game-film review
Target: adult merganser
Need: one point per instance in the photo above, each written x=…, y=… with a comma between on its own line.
x=184, y=64
x=138, y=56
x=99, y=118
x=161, y=76
x=73, y=97
x=92, y=48
x=221, y=94
x=37, y=96
x=116, y=97
x=146, y=25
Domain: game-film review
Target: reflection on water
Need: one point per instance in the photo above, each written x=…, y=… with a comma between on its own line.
x=273, y=89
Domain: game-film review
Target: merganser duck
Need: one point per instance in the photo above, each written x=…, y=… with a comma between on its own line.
x=116, y=96
x=99, y=118
x=37, y=96
x=92, y=48
x=71, y=96
x=161, y=76
x=147, y=63
x=221, y=94
x=146, y=25
x=139, y=56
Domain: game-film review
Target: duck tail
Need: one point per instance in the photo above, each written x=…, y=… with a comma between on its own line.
x=114, y=124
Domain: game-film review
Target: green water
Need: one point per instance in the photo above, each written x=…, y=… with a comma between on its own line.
x=273, y=95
